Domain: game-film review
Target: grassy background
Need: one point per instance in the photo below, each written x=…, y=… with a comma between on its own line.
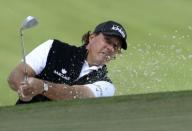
x=159, y=55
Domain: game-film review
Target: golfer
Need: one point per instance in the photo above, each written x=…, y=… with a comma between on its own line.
x=59, y=71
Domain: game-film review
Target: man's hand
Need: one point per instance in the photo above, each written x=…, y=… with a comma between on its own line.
x=22, y=96
x=28, y=89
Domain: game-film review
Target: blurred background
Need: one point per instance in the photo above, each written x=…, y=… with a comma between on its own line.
x=159, y=54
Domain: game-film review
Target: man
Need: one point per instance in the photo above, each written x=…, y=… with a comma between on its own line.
x=59, y=71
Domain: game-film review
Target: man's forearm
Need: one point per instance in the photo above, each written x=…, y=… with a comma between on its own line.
x=63, y=92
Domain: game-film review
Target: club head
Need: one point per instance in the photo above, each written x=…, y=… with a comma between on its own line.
x=29, y=22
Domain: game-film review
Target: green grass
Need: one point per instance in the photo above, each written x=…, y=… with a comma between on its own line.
x=159, y=55
x=158, y=111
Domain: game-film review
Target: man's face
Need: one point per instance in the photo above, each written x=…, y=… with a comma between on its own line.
x=102, y=49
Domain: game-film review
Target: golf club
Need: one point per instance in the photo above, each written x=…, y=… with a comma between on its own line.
x=29, y=22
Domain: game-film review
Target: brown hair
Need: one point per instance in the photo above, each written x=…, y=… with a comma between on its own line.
x=85, y=37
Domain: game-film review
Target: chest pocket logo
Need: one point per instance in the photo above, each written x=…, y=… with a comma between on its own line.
x=62, y=74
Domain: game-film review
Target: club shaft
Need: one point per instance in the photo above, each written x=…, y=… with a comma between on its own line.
x=23, y=55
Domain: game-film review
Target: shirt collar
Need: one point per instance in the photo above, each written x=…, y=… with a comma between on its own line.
x=87, y=67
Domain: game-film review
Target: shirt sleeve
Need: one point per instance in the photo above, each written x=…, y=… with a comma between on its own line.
x=37, y=58
x=102, y=88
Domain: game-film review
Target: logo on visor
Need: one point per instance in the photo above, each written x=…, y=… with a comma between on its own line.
x=119, y=29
